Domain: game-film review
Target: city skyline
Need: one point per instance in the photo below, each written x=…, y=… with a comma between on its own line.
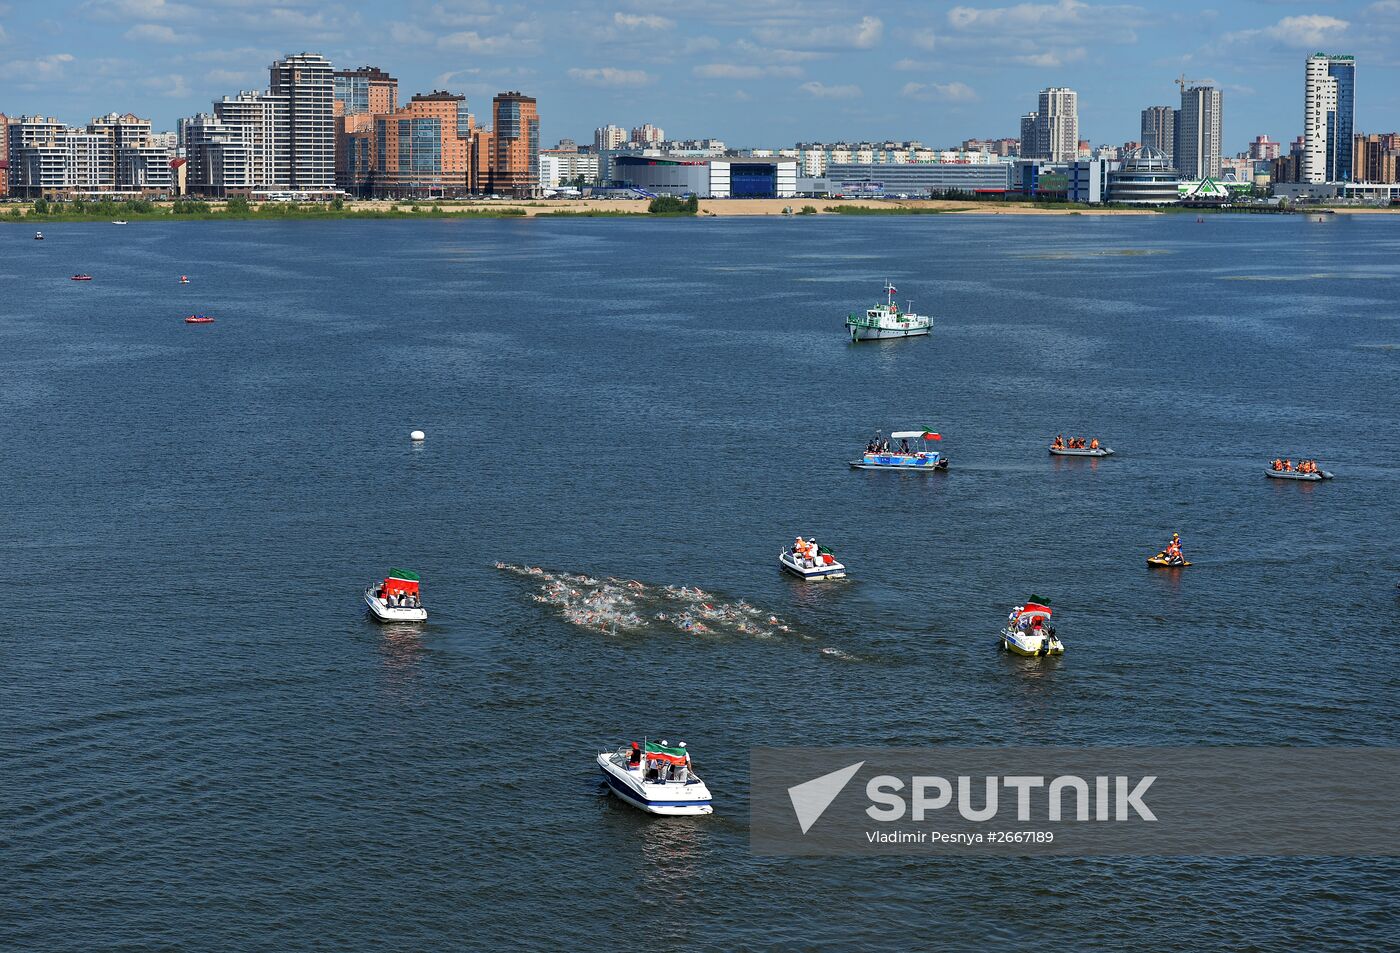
x=790, y=72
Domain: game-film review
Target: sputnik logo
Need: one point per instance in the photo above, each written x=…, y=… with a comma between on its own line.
x=810, y=799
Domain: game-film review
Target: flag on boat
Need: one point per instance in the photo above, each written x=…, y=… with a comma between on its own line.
x=667, y=753
x=892, y=289
x=932, y=434
x=400, y=581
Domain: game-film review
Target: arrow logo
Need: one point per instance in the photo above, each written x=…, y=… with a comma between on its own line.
x=810, y=799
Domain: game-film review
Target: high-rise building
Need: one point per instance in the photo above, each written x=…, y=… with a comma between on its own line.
x=4, y=155
x=1329, y=106
x=115, y=155
x=1376, y=158
x=1052, y=131
x=1198, y=133
x=423, y=149
x=365, y=90
x=515, y=150
x=1028, y=124
x=1159, y=129
x=1263, y=149
x=266, y=135
x=608, y=138
x=647, y=135
x=307, y=81
x=218, y=157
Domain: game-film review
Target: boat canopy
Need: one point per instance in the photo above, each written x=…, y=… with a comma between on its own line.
x=669, y=754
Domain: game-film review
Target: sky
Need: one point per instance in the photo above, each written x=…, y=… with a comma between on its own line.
x=753, y=73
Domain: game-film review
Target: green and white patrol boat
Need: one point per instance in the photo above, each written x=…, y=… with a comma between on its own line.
x=887, y=321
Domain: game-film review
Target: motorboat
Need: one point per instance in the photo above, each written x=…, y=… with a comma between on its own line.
x=1062, y=449
x=879, y=455
x=887, y=321
x=38, y=236
x=81, y=278
x=184, y=280
x=118, y=222
x=656, y=778
x=199, y=319
x=397, y=599
x=1295, y=475
x=1026, y=632
x=806, y=560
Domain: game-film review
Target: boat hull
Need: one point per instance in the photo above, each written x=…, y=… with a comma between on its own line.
x=1074, y=452
x=384, y=613
x=1295, y=475
x=886, y=334
x=897, y=461
x=810, y=573
x=1028, y=645
x=691, y=799
x=1159, y=562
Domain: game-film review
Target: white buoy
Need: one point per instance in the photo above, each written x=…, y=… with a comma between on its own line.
x=416, y=436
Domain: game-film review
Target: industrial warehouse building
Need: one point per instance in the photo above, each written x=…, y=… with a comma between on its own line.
x=915, y=179
x=737, y=178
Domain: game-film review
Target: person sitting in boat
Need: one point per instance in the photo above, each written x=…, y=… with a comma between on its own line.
x=1059, y=443
x=904, y=446
x=1288, y=466
x=1173, y=550
x=1277, y=465
x=1094, y=444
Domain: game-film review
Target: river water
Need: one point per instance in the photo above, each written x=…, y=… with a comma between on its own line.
x=206, y=745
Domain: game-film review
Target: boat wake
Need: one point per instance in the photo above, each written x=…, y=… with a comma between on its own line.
x=628, y=606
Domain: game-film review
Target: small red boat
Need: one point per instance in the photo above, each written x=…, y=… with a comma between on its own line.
x=199, y=319
x=81, y=278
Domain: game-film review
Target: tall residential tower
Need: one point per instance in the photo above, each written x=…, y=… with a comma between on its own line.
x=1198, y=132
x=1159, y=129
x=1329, y=103
x=307, y=82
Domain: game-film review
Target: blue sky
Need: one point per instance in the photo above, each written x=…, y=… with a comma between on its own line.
x=754, y=72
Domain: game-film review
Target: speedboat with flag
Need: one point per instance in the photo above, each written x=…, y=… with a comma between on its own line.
x=887, y=321
x=881, y=454
x=1026, y=632
x=657, y=778
x=199, y=319
x=397, y=599
x=806, y=560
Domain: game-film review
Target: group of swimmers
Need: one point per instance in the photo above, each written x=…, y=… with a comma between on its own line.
x=1074, y=443
x=806, y=552
x=1286, y=466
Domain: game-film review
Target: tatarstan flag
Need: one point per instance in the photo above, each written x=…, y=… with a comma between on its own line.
x=930, y=434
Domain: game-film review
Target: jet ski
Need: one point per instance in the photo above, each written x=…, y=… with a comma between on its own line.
x=1167, y=562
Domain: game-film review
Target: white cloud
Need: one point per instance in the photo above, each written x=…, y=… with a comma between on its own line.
x=473, y=42
x=923, y=39
x=140, y=10
x=908, y=65
x=637, y=21
x=36, y=70
x=409, y=34
x=858, y=36
x=1307, y=31
x=736, y=71
x=171, y=84
x=155, y=33
x=609, y=76
x=823, y=91
x=243, y=79
x=940, y=92
x=1051, y=58
x=1039, y=18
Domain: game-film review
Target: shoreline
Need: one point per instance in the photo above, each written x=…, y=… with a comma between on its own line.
x=603, y=208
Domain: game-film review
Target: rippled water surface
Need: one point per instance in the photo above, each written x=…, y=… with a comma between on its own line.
x=205, y=745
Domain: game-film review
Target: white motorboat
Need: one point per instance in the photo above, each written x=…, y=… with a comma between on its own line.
x=887, y=321
x=397, y=599
x=118, y=222
x=656, y=778
x=1026, y=632
x=806, y=560
x=1080, y=452
x=38, y=236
